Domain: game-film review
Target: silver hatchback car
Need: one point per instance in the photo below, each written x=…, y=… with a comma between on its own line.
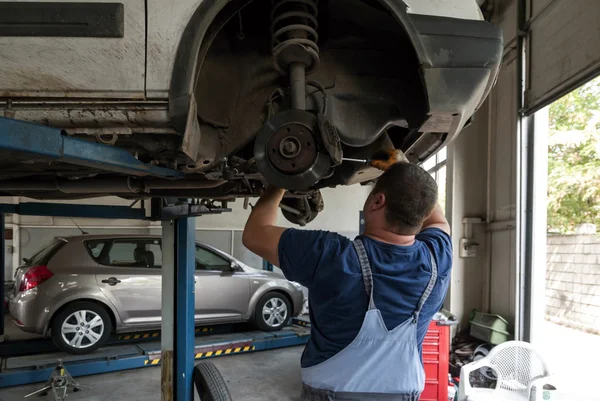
x=81, y=289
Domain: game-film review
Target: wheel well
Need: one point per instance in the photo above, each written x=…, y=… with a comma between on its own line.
x=208, y=43
x=113, y=319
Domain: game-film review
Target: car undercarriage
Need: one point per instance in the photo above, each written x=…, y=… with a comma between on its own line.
x=283, y=93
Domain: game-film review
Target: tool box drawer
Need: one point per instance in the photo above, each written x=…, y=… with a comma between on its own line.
x=436, y=351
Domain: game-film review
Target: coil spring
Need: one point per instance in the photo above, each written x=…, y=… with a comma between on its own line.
x=294, y=34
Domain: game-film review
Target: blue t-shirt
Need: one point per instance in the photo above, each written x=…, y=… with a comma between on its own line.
x=327, y=264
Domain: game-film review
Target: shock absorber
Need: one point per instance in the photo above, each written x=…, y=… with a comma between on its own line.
x=294, y=44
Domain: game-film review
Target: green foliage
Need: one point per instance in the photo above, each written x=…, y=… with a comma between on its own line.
x=574, y=111
x=574, y=159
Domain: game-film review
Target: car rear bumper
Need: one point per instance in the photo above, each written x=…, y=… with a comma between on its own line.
x=30, y=311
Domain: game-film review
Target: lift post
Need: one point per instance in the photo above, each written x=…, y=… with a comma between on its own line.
x=2, y=272
x=185, y=312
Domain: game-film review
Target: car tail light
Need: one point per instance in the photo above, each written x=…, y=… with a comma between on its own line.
x=34, y=276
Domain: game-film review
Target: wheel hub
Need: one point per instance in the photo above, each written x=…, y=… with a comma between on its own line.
x=292, y=149
x=286, y=151
x=82, y=329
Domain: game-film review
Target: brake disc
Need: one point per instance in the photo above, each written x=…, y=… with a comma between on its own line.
x=287, y=152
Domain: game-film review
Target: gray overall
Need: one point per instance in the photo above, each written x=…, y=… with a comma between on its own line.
x=379, y=364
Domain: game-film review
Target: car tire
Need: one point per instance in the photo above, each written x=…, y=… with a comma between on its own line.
x=67, y=325
x=209, y=383
x=269, y=315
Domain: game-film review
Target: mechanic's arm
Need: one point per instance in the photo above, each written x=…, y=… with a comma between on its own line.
x=437, y=220
x=261, y=235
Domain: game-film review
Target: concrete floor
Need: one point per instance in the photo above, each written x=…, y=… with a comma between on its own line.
x=572, y=357
x=275, y=375
x=262, y=376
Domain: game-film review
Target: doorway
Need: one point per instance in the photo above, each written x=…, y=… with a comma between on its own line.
x=565, y=282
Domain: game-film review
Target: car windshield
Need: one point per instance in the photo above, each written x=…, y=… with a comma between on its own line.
x=43, y=256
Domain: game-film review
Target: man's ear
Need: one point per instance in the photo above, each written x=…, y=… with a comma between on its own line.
x=378, y=201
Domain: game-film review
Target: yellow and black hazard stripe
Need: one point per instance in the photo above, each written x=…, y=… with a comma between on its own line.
x=221, y=352
x=138, y=336
x=204, y=329
x=301, y=323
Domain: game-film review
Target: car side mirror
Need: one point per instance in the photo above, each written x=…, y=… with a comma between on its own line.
x=234, y=266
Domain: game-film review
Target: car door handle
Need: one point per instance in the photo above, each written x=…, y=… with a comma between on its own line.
x=111, y=281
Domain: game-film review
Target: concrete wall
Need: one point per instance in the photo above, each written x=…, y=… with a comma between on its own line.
x=573, y=281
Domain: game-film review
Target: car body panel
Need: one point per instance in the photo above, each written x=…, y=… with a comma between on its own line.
x=137, y=297
x=77, y=66
x=135, y=302
x=222, y=295
x=167, y=21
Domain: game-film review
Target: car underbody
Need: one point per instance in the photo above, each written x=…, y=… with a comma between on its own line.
x=282, y=93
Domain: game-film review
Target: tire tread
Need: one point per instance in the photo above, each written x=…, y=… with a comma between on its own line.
x=210, y=383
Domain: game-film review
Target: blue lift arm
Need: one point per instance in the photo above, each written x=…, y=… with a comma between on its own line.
x=20, y=136
x=69, y=210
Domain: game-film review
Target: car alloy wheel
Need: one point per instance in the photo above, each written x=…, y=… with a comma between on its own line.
x=275, y=312
x=82, y=329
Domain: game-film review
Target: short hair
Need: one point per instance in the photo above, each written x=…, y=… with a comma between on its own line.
x=410, y=196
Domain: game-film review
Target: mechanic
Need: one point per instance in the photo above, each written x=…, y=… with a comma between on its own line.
x=371, y=299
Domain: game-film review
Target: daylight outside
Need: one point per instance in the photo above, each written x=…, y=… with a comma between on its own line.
x=570, y=340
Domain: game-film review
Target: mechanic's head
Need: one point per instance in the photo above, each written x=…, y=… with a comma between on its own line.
x=402, y=199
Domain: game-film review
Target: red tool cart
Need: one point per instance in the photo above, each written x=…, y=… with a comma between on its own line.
x=436, y=352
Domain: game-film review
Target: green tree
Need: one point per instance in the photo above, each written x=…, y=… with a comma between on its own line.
x=575, y=110
x=574, y=159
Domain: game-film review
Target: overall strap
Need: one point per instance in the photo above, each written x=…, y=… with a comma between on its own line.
x=429, y=289
x=365, y=267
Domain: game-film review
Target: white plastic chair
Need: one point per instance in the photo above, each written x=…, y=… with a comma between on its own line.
x=518, y=369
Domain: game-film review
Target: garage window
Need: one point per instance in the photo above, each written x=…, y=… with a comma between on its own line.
x=436, y=166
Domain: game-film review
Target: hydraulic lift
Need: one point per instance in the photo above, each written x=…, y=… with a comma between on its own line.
x=178, y=347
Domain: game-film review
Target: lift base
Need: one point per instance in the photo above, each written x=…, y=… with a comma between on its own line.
x=17, y=371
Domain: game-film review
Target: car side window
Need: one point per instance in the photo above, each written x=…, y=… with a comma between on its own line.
x=134, y=252
x=210, y=261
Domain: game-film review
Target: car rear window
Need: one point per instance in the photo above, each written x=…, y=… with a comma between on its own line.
x=43, y=256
